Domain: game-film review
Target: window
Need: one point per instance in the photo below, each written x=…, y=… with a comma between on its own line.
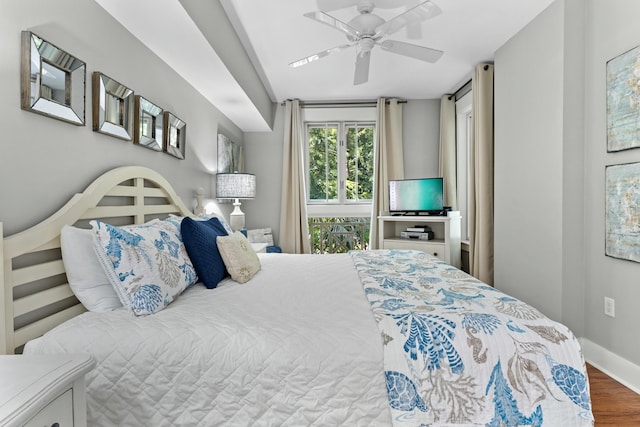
x=340, y=162
x=464, y=135
x=339, y=176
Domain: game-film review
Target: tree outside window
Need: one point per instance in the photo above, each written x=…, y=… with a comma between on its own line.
x=340, y=162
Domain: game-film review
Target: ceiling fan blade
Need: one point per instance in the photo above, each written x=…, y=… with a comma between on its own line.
x=363, y=59
x=423, y=11
x=319, y=55
x=329, y=20
x=412, y=50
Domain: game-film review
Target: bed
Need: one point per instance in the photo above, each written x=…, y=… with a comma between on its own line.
x=367, y=338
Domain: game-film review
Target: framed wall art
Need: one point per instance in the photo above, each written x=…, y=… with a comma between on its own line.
x=623, y=101
x=112, y=107
x=52, y=80
x=230, y=155
x=622, y=216
x=148, y=124
x=175, y=135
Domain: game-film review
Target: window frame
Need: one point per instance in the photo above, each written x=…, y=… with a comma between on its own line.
x=464, y=140
x=340, y=206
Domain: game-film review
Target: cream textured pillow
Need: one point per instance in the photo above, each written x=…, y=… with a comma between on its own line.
x=239, y=257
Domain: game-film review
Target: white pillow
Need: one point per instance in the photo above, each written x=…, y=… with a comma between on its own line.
x=147, y=264
x=85, y=275
x=239, y=257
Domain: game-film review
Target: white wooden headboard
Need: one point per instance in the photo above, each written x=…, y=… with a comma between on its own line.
x=36, y=296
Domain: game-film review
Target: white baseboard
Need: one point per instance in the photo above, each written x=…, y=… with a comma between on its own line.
x=616, y=367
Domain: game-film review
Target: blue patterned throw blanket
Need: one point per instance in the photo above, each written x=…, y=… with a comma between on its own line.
x=459, y=352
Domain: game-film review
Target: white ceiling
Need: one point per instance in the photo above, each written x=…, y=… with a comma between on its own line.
x=276, y=33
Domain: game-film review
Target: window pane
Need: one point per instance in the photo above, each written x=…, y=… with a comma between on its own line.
x=323, y=163
x=359, y=182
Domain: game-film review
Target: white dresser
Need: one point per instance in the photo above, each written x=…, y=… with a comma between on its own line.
x=446, y=229
x=43, y=390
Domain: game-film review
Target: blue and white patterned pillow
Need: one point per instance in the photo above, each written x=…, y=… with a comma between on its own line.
x=147, y=265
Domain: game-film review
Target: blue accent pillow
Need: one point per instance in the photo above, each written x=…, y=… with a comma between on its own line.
x=199, y=238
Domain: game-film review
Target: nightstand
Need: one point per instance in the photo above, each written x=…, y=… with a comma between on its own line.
x=44, y=390
x=259, y=247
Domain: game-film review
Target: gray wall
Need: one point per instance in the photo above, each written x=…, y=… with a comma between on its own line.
x=550, y=162
x=44, y=161
x=529, y=163
x=421, y=138
x=263, y=156
x=612, y=30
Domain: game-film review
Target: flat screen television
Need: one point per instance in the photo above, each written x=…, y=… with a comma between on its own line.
x=414, y=196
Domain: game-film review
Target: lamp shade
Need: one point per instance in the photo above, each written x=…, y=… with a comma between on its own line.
x=235, y=186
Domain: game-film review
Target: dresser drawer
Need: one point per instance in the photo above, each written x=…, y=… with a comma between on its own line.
x=435, y=249
x=58, y=413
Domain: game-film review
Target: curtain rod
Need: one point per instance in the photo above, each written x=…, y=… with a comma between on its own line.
x=342, y=104
x=462, y=91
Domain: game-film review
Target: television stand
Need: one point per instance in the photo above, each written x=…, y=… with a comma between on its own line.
x=423, y=213
x=445, y=244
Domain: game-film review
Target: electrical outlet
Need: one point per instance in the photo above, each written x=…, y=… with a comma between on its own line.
x=610, y=307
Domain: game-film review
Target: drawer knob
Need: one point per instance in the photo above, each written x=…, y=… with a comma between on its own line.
x=55, y=425
x=435, y=254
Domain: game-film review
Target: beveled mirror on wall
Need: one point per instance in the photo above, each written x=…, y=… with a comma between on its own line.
x=175, y=135
x=52, y=81
x=148, y=124
x=112, y=107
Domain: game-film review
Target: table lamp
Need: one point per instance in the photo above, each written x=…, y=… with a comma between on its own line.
x=236, y=186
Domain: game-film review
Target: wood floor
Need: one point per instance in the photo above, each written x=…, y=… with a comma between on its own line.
x=613, y=404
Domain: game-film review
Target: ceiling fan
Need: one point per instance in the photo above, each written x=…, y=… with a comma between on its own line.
x=368, y=30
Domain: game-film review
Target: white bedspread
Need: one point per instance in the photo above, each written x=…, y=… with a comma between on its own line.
x=274, y=351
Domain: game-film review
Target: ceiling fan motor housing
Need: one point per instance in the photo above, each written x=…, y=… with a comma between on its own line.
x=366, y=23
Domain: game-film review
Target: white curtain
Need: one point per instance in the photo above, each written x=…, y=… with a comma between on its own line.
x=447, y=163
x=294, y=228
x=388, y=160
x=481, y=192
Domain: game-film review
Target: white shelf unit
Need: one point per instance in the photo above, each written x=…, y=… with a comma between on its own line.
x=446, y=229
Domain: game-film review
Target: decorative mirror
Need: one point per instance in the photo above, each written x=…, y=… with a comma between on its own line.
x=52, y=80
x=112, y=107
x=148, y=124
x=175, y=135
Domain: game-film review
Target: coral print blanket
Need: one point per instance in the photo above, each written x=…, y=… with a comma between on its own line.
x=459, y=352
